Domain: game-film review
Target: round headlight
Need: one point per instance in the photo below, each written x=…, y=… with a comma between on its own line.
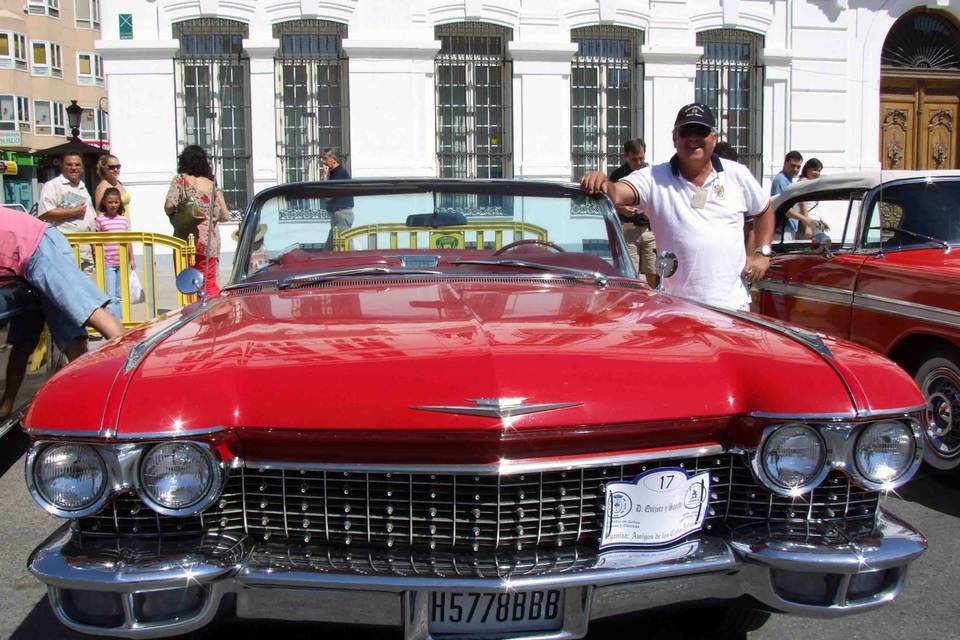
x=793, y=456
x=177, y=475
x=885, y=451
x=69, y=477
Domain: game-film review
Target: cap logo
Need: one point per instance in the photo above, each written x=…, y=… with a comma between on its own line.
x=694, y=110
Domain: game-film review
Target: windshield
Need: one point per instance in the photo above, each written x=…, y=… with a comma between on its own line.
x=914, y=215
x=308, y=231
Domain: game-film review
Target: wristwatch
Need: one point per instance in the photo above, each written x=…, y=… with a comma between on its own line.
x=764, y=250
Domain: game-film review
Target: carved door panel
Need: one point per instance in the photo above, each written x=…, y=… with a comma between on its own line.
x=938, y=133
x=898, y=136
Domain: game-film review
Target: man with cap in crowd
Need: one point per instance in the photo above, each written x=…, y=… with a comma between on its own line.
x=697, y=204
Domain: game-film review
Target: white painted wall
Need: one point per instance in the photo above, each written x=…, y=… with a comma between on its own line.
x=820, y=91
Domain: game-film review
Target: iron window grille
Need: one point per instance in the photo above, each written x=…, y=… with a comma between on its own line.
x=606, y=81
x=312, y=102
x=213, y=101
x=730, y=81
x=473, y=97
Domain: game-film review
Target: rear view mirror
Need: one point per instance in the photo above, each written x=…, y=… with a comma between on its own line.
x=437, y=219
x=667, y=264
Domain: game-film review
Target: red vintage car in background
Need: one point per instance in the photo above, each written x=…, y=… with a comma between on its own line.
x=892, y=283
x=450, y=407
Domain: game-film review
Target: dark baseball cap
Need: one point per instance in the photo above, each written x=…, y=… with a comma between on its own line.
x=695, y=113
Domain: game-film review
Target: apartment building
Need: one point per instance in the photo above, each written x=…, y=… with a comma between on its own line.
x=47, y=60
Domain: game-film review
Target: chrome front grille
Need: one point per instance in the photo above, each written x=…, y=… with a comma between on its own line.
x=462, y=512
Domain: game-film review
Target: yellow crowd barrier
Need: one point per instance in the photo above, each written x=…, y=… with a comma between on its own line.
x=90, y=245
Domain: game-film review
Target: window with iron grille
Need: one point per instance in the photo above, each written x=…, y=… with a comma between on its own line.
x=730, y=81
x=473, y=101
x=605, y=96
x=212, y=101
x=312, y=97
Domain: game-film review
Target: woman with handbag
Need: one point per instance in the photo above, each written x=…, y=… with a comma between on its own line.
x=195, y=207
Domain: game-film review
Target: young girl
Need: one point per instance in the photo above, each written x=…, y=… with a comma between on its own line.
x=112, y=219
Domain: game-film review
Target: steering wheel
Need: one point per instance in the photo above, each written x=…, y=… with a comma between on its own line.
x=530, y=241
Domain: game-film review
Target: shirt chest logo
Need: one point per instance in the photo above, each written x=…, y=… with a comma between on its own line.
x=719, y=192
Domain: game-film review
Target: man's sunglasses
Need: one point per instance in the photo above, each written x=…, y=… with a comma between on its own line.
x=114, y=167
x=698, y=130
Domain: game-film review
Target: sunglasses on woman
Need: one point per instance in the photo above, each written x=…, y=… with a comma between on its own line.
x=114, y=167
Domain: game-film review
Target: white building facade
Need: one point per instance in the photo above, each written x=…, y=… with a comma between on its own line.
x=533, y=89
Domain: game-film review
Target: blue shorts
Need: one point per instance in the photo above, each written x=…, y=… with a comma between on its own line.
x=68, y=297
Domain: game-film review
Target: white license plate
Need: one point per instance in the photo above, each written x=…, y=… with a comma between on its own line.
x=482, y=612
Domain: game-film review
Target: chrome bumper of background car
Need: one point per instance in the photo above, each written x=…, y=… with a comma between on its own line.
x=172, y=592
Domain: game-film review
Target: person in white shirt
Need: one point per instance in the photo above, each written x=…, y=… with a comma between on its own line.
x=65, y=204
x=697, y=204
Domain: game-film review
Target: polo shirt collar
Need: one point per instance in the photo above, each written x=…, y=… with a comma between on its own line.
x=675, y=164
x=66, y=181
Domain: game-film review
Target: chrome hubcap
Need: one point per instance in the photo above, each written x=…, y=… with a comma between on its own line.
x=942, y=388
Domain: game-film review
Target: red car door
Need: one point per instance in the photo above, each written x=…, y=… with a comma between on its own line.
x=814, y=287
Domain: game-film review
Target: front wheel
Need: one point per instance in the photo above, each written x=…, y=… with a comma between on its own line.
x=939, y=379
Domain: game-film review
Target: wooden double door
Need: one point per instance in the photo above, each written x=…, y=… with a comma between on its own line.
x=918, y=123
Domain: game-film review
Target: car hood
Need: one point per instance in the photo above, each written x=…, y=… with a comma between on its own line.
x=400, y=355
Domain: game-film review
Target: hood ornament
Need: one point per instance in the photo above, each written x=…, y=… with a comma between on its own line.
x=498, y=407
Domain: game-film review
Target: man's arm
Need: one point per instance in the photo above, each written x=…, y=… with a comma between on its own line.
x=620, y=193
x=761, y=234
x=64, y=213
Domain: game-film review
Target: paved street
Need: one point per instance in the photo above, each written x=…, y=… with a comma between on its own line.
x=926, y=609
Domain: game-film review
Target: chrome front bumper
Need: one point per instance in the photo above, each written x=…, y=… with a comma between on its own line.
x=781, y=574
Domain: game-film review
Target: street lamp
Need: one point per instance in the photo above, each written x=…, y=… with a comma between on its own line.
x=74, y=112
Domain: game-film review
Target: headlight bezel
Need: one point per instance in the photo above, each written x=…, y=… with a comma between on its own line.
x=853, y=468
x=211, y=494
x=759, y=467
x=30, y=469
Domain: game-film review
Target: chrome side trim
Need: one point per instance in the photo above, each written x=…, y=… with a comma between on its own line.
x=870, y=302
x=142, y=348
x=809, y=339
x=900, y=412
x=829, y=417
x=503, y=467
x=812, y=292
x=143, y=435
x=935, y=315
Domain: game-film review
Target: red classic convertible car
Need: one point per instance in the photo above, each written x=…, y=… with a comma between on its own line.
x=891, y=284
x=451, y=407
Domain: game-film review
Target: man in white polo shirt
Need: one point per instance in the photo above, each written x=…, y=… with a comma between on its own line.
x=697, y=204
x=65, y=204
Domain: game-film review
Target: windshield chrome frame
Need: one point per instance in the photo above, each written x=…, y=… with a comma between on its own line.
x=327, y=188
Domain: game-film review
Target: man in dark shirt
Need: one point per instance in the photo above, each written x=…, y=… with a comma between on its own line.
x=641, y=244
x=340, y=207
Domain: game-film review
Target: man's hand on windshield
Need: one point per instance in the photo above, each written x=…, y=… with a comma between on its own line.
x=594, y=182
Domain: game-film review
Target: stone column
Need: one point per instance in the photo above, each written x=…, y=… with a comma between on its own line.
x=143, y=123
x=541, y=109
x=776, y=110
x=392, y=107
x=670, y=73
x=263, y=117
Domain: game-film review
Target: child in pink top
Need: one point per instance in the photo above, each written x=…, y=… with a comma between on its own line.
x=111, y=218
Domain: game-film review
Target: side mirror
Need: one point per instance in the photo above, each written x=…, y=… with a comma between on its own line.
x=821, y=243
x=189, y=282
x=666, y=266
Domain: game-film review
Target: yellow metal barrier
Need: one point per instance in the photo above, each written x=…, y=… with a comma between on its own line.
x=182, y=251
x=439, y=238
